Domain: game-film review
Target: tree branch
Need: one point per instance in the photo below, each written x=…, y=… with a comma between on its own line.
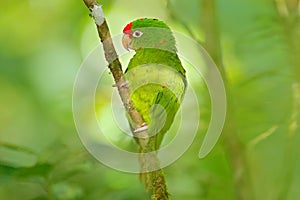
x=233, y=146
x=116, y=68
x=148, y=159
x=291, y=27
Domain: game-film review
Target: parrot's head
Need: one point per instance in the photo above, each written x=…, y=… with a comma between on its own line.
x=148, y=33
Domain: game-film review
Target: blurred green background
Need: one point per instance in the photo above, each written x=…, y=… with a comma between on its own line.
x=42, y=46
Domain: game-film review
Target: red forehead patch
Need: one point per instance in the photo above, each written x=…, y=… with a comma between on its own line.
x=127, y=28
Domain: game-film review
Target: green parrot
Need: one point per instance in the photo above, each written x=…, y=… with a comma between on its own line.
x=155, y=75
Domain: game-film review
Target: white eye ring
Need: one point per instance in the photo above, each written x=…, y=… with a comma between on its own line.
x=137, y=34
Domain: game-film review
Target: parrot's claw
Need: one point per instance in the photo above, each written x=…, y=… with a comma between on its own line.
x=141, y=129
x=123, y=85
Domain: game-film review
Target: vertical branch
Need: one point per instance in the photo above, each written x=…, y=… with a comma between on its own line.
x=234, y=148
x=148, y=159
x=291, y=27
x=114, y=63
x=291, y=146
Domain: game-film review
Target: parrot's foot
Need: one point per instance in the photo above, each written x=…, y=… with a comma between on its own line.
x=123, y=85
x=144, y=127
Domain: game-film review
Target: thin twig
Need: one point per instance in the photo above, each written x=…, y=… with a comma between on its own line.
x=148, y=160
x=17, y=148
x=262, y=137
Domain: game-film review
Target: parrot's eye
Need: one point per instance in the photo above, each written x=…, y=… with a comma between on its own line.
x=137, y=34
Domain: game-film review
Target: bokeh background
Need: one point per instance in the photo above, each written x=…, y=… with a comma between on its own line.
x=256, y=45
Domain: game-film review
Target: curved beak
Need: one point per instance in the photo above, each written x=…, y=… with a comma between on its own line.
x=127, y=42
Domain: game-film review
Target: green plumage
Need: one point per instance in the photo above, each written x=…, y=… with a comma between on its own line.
x=156, y=77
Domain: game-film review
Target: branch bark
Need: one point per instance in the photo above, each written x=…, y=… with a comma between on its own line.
x=154, y=180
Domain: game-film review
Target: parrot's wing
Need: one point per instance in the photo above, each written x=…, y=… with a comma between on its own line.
x=156, y=91
x=162, y=114
x=157, y=74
